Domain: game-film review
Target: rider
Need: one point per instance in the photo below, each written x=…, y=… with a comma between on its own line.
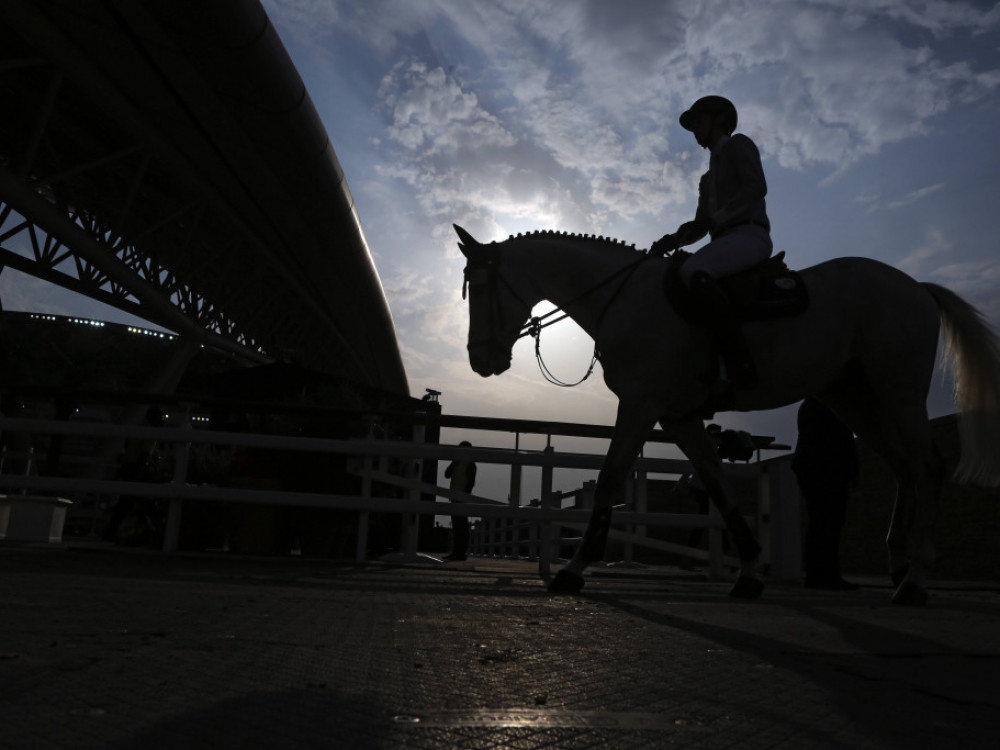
x=731, y=211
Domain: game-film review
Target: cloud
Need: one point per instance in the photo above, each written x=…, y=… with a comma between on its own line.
x=431, y=114
x=462, y=161
x=840, y=84
x=380, y=23
x=516, y=115
x=873, y=201
x=940, y=17
x=447, y=323
x=565, y=112
x=916, y=195
x=977, y=281
x=407, y=285
x=818, y=83
x=935, y=244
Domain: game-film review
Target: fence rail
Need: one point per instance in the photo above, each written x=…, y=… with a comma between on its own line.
x=506, y=528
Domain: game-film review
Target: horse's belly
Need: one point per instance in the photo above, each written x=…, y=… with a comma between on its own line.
x=675, y=378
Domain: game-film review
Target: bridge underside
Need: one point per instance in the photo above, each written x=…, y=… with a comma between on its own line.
x=164, y=157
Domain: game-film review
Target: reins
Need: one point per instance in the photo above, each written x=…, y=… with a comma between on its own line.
x=535, y=325
x=490, y=263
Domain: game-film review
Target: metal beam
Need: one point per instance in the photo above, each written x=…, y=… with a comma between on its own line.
x=156, y=308
x=143, y=242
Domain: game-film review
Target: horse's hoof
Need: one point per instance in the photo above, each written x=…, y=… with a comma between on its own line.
x=910, y=595
x=899, y=575
x=566, y=582
x=747, y=588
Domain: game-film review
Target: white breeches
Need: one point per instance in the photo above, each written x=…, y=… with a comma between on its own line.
x=737, y=250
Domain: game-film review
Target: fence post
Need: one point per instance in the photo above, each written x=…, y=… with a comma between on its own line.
x=514, y=499
x=495, y=532
x=641, y=498
x=515, y=482
x=361, y=543
x=629, y=505
x=411, y=521
x=780, y=497
x=716, y=550
x=532, y=540
x=182, y=456
x=550, y=532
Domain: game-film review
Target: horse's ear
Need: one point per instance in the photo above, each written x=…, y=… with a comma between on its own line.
x=468, y=242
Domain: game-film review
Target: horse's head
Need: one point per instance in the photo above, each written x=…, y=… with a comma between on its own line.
x=497, y=311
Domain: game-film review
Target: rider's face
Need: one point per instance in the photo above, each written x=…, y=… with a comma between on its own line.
x=703, y=127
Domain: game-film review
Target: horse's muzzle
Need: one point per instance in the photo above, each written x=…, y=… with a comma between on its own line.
x=487, y=363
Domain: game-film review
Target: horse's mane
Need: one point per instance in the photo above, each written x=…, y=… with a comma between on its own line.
x=599, y=239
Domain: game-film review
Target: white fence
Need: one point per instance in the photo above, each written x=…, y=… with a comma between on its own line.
x=508, y=529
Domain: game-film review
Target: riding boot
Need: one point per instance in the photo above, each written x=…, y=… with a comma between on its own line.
x=717, y=313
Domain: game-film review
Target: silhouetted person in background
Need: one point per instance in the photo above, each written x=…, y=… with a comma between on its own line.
x=463, y=478
x=826, y=466
x=731, y=209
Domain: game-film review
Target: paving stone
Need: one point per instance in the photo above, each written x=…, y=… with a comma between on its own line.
x=106, y=647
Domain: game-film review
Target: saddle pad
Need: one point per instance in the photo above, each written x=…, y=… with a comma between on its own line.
x=766, y=291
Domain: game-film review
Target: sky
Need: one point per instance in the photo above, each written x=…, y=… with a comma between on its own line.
x=875, y=120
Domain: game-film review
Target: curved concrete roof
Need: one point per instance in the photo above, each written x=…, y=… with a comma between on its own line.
x=227, y=183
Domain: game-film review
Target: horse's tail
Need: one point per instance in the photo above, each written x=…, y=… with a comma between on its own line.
x=974, y=352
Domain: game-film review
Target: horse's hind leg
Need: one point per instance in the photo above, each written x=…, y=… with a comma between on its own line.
x=899, y=432
x=701, y=451
x=914, y=518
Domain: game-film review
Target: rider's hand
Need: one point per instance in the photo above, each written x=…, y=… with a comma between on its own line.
x=663, y=246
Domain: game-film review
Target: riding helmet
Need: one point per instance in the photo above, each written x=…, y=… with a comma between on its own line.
x=716, y=106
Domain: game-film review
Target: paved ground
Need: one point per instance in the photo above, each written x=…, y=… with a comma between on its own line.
x=104, y=647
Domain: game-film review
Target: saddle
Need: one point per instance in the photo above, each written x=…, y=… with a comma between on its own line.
x=766, y=291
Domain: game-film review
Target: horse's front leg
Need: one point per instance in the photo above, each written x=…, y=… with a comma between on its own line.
x=692, y=438
x=632, y=427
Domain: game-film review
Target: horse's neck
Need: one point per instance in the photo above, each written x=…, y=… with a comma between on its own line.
x=579, y=276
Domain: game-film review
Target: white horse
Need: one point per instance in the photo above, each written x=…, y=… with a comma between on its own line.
x=865, y=347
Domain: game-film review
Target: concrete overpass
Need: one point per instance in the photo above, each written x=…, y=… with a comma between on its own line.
x=164, y=157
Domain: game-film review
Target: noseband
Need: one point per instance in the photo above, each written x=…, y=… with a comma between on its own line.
x=488, y=263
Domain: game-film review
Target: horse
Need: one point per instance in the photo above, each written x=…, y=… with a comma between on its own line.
x=865, y=346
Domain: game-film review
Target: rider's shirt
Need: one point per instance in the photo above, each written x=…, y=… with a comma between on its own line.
x=732, y=192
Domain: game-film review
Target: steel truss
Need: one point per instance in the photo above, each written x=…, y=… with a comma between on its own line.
x=94, y=199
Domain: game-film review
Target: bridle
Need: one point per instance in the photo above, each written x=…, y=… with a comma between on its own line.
x=490, y=264
x=494, y=279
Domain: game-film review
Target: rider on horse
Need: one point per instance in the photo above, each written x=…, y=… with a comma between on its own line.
x=731, y=210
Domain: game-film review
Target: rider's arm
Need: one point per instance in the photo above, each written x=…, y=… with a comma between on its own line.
x=691, y=231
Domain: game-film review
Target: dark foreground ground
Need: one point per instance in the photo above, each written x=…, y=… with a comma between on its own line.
x=102, y=647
